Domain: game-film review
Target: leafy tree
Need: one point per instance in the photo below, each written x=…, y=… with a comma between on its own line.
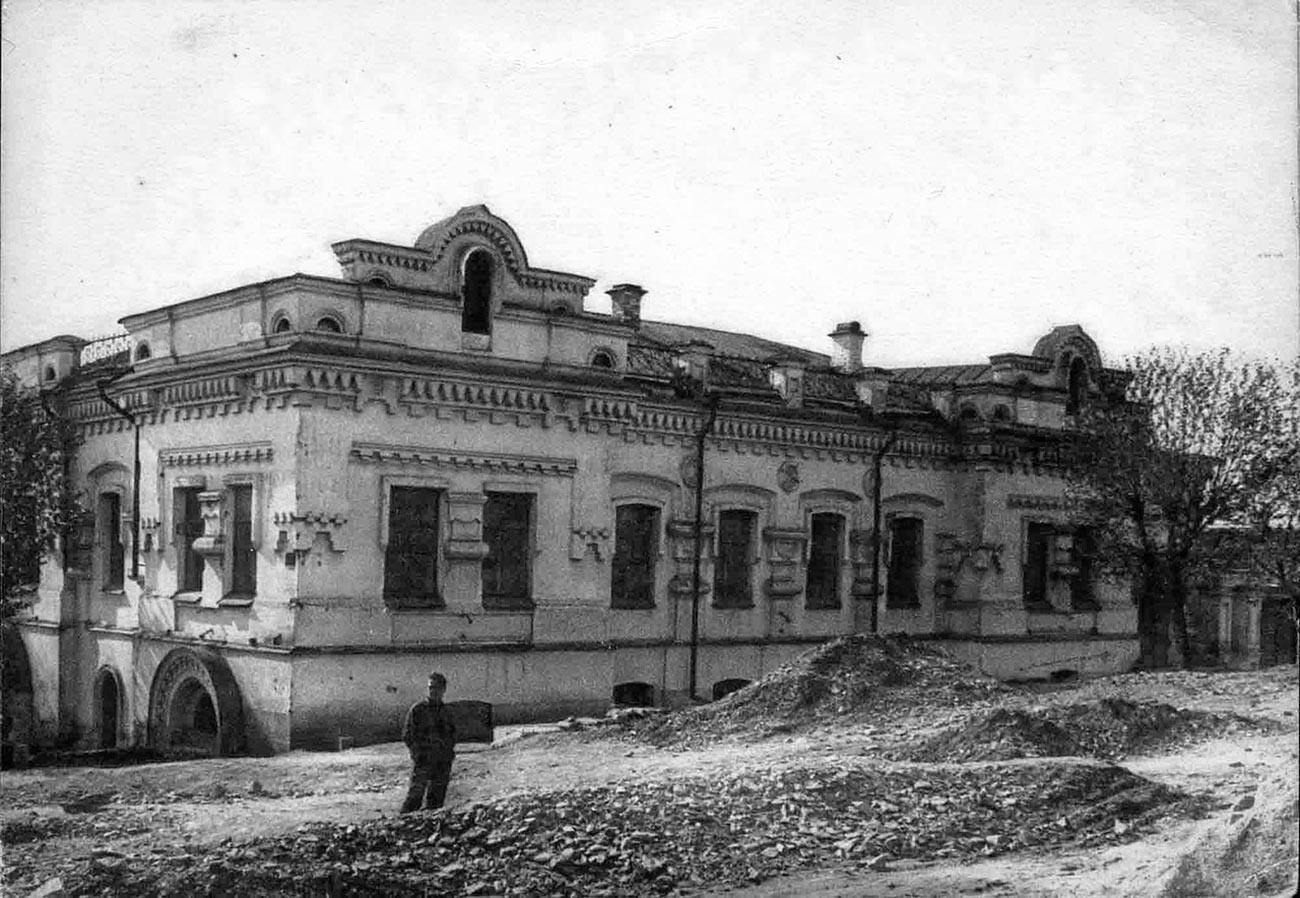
x=1204, y=441
x=35, y=501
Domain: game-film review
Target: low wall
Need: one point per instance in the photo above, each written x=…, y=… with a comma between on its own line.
x=1039, y=659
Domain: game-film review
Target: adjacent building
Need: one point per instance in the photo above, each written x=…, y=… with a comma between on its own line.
x=301, y=495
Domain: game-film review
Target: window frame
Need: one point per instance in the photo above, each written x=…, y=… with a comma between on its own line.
x=750, y=561
x=654, y=551
x=1083, y=559
x=1049, y=531
x=500, y=601
x=442, y=486
x=110, y=555
x=837, y=568
x=185, y=555
x=482, y=307
x=891, y=523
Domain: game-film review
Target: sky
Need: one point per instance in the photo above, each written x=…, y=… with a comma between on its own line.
x=960, y=177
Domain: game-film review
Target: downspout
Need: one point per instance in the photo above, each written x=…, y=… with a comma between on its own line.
x=102, y=385
x=711, y=404
x=877, y=462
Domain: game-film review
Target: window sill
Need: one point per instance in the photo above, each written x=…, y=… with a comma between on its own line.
x=733, y=607
x=414, y=604
x=823, y=606
x=642, y=606
x=493, y=604
x=902, y=606
x=235, y=602
x=187, y=598
x=113, y=591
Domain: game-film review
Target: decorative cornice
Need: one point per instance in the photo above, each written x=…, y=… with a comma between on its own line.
x=1025, y=500
x=380, y=453
x=229, y=454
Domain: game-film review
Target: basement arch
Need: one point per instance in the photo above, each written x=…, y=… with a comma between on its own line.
x=195, y=706
x=109, y=708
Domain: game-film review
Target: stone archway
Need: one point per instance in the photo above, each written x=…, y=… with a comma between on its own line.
x=108, y=707
x=195, y=706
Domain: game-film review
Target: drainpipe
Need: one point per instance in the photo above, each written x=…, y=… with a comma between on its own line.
x=711, y=404
x=102, y=385
x=877, y=461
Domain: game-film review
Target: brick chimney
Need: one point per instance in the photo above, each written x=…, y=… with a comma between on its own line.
x=625, y=300
x=846, y=355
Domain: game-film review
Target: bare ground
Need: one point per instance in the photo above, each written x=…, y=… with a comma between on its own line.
x=1246, y=843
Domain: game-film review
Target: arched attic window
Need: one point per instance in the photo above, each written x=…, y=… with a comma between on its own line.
x=602, y=359
x=50, y=373
x=282, y=325
x=1078, y=387
x=329, y=324
x=142, y=352
x=476, y=294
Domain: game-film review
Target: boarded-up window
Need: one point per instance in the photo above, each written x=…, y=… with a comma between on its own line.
x=732, y=571
x=189, y=527
x=476, y=294
x=906, y=554
x=243, y=558
x=507, y=567
x=636, y=545
x=1037, y=558
x=113, y=555
x=824, y=557
x=1084, y=552
x=411, y=560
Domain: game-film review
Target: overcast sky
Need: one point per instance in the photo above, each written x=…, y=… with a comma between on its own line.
x=958, y=176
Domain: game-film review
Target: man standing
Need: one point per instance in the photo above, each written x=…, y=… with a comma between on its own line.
x=430, y=734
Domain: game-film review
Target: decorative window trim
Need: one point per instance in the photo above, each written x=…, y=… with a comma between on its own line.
x=338, y=320
x=922, y=499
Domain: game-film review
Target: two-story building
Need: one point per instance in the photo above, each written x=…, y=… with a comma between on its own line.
x=304, y=494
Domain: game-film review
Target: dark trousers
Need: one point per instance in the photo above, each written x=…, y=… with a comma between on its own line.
x=429, y=778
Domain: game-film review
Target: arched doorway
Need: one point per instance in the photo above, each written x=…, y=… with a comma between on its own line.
x=108, y=708
x=195, y=706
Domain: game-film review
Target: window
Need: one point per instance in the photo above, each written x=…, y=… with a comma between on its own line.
x=636, y=545
x=634, y=695
x=1002, y=413
x=732, y=580
x=602, y=359
x=243, y=558
x=906, y=553
x=1083, y=557
x=724, y=688
x=113, y=554
x=282, y=325
x=824, y=559
x=507, y=567
x=189, y=527
x=1078, y=387
x=50, y=373
x=411, y=559
x=329, y=325
x=1037, y=558
x=142, y=352
x=476, y=294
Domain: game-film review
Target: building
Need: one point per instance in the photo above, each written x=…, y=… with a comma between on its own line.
x=444, y=460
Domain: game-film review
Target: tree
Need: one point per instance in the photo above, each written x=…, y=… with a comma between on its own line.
x=35, y=499
x=1204, y=441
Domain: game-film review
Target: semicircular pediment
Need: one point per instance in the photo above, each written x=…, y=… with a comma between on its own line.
x=477, y=221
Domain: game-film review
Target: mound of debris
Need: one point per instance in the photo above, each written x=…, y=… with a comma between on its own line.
x=853, y=674
x=1109, y=728
x=652, y=837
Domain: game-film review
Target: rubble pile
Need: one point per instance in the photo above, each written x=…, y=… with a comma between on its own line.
x=652, y=837
x=850, y=675
x=1109, y=728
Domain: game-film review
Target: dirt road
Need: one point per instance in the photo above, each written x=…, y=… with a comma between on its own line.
x=1246, y=843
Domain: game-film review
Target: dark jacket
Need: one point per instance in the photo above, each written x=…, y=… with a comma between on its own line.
x=429, y=731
